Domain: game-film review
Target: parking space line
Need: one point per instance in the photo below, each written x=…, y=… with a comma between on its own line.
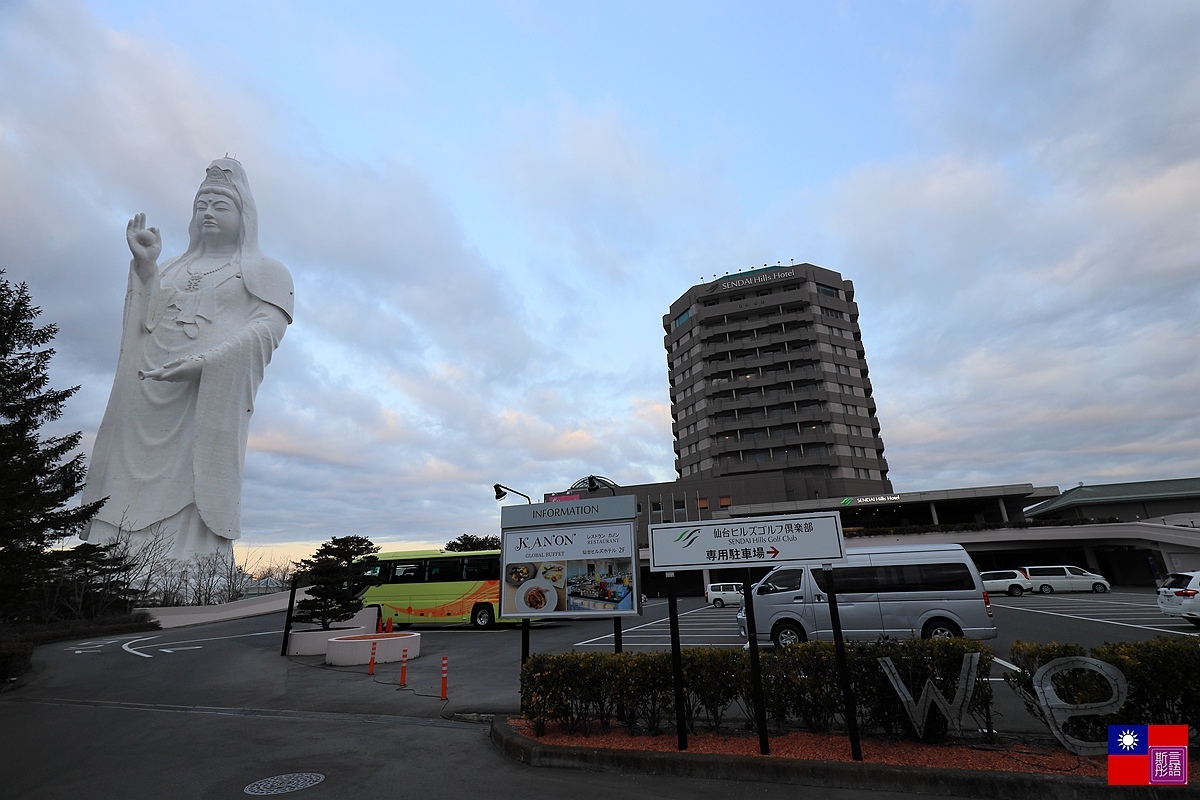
x=1102, y=621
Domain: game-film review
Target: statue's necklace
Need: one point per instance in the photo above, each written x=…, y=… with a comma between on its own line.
x=194, y=278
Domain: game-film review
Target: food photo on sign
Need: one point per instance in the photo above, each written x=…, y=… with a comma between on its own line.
x=535, y=587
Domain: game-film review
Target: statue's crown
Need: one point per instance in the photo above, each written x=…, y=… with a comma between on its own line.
x=218, y=175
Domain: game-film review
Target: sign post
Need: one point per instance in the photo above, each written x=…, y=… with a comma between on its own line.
x=839, y=651
x=741, y=542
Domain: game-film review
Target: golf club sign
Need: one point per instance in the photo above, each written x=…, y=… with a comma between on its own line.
x=748, y=542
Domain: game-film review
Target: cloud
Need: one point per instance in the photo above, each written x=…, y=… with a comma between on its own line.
x=1029, y=287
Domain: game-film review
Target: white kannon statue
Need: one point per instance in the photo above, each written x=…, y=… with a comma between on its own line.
x=197, y=334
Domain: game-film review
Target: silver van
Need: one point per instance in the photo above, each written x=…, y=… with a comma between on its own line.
x=1065, y=578
x=931, y=591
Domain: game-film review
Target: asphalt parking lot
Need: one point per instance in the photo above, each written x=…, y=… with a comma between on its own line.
x=207, y=710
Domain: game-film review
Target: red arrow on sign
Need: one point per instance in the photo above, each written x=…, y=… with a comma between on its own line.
x=773, y=552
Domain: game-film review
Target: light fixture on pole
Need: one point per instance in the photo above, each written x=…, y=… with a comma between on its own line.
x=502, y=492
x=594, y=484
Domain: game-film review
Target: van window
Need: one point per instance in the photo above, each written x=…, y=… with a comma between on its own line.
x=786, y=580
x=1046, y=572
x=1077, y=571
x=850, y=579
x=949, y=577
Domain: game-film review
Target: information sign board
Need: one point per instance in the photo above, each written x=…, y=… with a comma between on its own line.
x=746, y=542
x=569, y=558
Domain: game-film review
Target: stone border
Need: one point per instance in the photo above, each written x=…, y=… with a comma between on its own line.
x=925, y=780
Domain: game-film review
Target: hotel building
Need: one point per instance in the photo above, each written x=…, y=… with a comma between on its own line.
x=768, y=377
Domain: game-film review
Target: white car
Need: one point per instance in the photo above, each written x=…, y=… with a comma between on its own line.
x=720, y=595
x=1065, y=578
x=1179, y=596
x=1010, y=581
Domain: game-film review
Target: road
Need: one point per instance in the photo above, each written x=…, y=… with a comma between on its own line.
x=208, y=710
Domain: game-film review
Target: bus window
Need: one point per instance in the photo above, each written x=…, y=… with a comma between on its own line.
x=408, y=572
x=481, y=568
x=442, y=570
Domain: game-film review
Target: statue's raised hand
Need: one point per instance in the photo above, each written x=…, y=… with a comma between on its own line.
x=145, y=243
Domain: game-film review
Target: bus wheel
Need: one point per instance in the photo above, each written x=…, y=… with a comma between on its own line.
x=482, y=616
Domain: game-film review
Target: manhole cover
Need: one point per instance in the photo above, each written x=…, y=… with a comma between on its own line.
x=282, y=784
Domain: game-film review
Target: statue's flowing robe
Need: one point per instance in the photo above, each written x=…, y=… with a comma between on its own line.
x=163, y=446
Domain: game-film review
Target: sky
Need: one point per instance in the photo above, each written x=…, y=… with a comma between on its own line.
x=487, y=207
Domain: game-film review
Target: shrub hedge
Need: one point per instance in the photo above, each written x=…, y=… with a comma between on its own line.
x=800, y=686
x=1163, y=675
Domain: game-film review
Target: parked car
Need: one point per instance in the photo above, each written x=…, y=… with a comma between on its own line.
x=1179, y=596
x=1010, y=581
x=1066, y=578
x=723, y=594
x=927, y=591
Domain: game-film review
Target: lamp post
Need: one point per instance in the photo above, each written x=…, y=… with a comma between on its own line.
x=502, y=492
x=593, y=485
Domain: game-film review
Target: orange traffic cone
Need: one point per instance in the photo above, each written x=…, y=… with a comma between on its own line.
x=379, y=625
x=388, y=628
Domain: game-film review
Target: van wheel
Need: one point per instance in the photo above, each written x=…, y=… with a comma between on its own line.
x=1045, y=588
x=482, y=616
x=1099, y=588
x=718, y=603
x=940, y=629
x=1016, y=591
x=786, y=633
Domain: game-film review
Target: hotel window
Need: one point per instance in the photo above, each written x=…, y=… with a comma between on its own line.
x=725, y=501
x=702, y=503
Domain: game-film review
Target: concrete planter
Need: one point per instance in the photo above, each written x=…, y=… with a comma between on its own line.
x=344, y=651
x=315, y=643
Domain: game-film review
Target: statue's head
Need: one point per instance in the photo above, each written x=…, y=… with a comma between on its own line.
x=225, y=183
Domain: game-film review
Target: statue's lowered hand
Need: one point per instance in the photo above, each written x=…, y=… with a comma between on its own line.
x=181, y=369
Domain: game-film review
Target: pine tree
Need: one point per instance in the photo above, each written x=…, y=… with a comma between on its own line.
x=468, y=542
x=37, y=476
x=337, y=572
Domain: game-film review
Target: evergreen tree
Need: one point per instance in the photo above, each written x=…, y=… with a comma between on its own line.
x=37, y=476
x=468, y=542
x=337, y=572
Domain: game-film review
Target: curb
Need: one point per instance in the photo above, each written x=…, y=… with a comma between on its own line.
x=924, y=780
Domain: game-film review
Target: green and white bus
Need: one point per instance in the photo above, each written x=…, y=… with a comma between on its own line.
x=435, y=586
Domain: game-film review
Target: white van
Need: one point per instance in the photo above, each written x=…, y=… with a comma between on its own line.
x=720, y=595
x=1066, y=578
x=931, y=591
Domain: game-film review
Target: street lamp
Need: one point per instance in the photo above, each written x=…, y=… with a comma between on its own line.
x=594, y=485
x=502, y=492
